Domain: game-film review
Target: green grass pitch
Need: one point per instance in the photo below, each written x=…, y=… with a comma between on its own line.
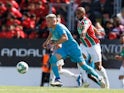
x=22, y=89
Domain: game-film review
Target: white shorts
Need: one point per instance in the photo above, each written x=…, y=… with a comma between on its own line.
x=60, y=62
x=83, y=50
x=121, y=70
x=94, y=52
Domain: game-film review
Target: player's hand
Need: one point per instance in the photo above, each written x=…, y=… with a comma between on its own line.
x=56, y=46
x=83, y=35
x=118, y=57
x=45, y=44
x=121, y=77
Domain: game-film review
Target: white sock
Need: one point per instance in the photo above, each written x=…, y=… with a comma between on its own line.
x=104, y=74
x=52, y=76
x=122, y=81
x=67, y=73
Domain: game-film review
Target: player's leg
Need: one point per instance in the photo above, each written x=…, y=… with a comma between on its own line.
x=76, y=56
x=121, y=76
x=91, y=71
x=91, y=64
x=95, y=53
x=63, y=71
x=68, y=73
x=82, y=72
x=84, y=77
x=53, y=61
x=58, y=54
x=52, y=77
x=94, y=79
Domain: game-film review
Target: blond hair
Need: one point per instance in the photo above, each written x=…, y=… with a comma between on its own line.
x=51, y=16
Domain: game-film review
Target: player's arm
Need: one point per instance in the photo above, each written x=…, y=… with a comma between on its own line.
x=121, y=56
x=48, y=40
x=118, y=57
x=62, y=39
x=85, y=28
x=95, y=30
x=58, y=43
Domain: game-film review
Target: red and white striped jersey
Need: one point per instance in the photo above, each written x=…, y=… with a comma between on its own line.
x=90, y=38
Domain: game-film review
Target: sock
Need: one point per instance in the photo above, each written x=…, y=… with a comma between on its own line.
x=122, y=81
x=104, y=74
x=52, y=76
x=53, y=60
x=67, y=73
x=55, y=71
x=90, y=71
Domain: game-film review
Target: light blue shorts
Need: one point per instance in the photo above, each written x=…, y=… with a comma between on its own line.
x=73, y=52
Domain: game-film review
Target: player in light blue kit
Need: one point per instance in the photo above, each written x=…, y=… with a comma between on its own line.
x=69, y=48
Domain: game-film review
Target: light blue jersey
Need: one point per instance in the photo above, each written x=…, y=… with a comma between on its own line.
x=70, y=47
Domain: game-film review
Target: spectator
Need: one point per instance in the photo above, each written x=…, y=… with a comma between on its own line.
x=101, y=31
x=45, y=69
x=13, y=11
x=121, y=16
x=118, y=27
x=108, y=27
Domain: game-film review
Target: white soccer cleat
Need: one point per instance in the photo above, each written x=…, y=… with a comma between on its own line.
x=102, y=83
x=56, y=83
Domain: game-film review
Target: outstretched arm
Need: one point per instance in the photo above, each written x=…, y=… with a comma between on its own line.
x=118, y=57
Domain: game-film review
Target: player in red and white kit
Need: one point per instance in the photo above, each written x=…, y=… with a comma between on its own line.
x=90, y=41
x=121, y=58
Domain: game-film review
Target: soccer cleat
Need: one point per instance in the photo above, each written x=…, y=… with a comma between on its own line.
x=102, y=83
x=106, y=84
x=79, y=80
x=56, y=83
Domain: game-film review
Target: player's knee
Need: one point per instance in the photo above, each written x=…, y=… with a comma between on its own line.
x=98, y=66
x=53, y=59
x=121, y=77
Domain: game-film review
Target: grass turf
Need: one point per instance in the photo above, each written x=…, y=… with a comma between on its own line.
x=25, y=89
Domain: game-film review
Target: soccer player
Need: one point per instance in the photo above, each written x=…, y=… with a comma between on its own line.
x=70, y=48
x=121, y=57
x=91, y=42
x=83, y=73
x=60, y=63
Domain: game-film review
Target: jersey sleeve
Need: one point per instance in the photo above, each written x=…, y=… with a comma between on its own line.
x=61, y=31
x=86, y=23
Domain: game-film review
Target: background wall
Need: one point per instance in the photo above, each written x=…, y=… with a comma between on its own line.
x=10, y=76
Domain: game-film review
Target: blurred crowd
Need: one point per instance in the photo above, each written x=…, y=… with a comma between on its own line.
x=26, y=18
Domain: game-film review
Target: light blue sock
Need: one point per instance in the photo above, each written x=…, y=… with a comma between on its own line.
x=90, y=70
x=53, y=60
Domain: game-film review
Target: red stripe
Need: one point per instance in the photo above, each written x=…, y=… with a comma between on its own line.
x=88, y=42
